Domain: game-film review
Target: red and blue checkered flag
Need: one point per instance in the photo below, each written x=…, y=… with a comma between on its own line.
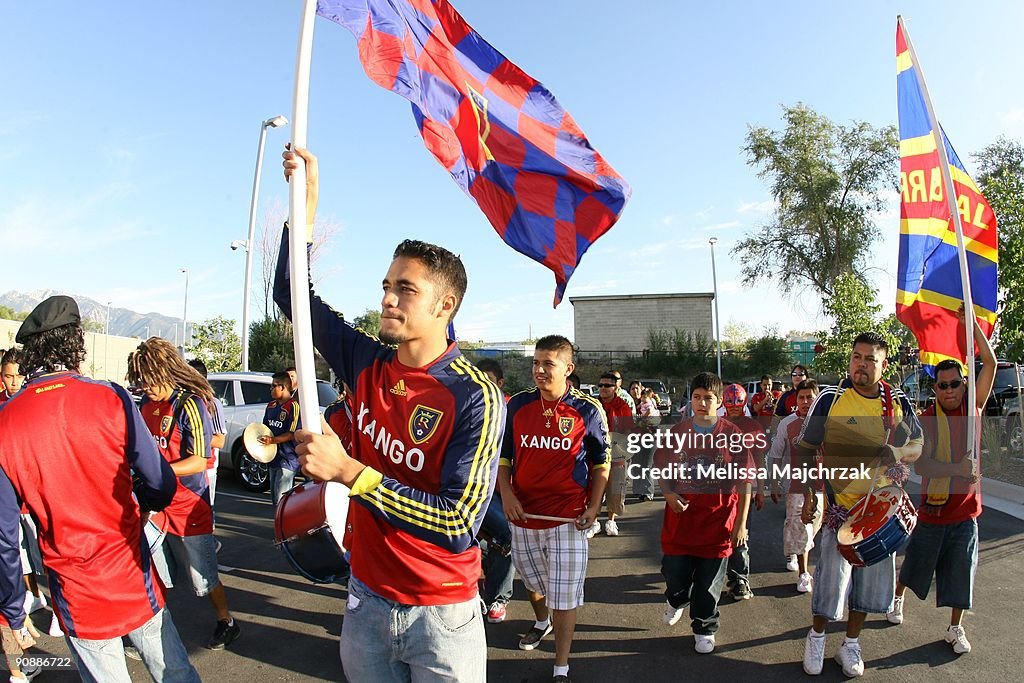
x=504, y=138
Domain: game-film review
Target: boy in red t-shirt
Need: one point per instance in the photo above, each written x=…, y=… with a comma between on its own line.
x=705, y=514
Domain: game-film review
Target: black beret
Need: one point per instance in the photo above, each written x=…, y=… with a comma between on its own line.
x=52, y=313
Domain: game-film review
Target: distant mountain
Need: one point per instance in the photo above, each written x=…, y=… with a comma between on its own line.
x=123, y=323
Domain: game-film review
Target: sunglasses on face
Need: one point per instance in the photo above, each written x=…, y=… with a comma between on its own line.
x=606, y=386
x=799, y=374
x=955, y=384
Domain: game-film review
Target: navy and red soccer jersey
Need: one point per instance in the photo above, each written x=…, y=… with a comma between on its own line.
x=552, y=449
x=786, y=405
x=69, y=448
x=339, y=416
x=503, y=137
x=429, y=438
x=282, y=419
x=704, y=529
x=190, y=513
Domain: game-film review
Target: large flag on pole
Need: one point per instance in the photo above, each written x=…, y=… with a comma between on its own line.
x=929, y=285
x=501, y=135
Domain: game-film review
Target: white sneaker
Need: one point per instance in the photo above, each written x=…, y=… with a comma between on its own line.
x=703, y=644
x=611, y=528
x=814, y=653
x=805, y=584
x=55, y=629
x=849, y=658
x=791, y=564
x=895, y=615
x=957, y=637
x=672, y=614
x=594, y=529
x=34, y=603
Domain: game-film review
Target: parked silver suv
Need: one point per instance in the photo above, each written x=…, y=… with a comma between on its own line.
x=245, y=396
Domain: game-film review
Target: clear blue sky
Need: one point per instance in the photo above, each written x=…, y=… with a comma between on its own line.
x=130, y=135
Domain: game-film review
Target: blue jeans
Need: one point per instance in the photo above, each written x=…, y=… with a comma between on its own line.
x=837, y=583
x=499, y=571
x=197, y=554
x=382, y=640
x=697, y=582
x=281, y=482
x=739, y=564
x=102, y=661
x=950, y=553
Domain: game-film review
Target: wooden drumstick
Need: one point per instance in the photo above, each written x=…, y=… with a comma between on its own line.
x=549, y=518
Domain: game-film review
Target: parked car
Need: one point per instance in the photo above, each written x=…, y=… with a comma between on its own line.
x=245, y=396
x=590, y=389
x=661, y=392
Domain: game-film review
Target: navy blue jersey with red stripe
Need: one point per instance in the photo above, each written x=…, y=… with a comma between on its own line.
x=552, y=447
x=190, y=513
x=70, y=446
x=429, y=438
x=282, y=419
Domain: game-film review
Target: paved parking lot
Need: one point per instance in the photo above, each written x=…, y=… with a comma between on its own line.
x=290, y=627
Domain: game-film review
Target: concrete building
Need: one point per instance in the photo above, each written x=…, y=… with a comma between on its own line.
x=622, y=322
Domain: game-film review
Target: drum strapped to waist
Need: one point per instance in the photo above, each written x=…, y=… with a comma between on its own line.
x=878, y=526
x=309, y=527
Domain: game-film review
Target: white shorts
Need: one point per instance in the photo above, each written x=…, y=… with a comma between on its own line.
x=797, y=537
x=552, y=562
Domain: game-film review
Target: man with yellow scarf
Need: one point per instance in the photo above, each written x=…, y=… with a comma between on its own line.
x=945, y=542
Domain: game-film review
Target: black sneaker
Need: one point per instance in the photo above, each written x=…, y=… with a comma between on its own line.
x=741, y=591
x=532, y=639
x=224, y=635
x=132, y=652
x=560, y=678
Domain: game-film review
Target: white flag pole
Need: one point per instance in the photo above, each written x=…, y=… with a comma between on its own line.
x=954, y=211
x=302, y=331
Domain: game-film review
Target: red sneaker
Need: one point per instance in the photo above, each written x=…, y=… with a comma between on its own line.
x=497, y=613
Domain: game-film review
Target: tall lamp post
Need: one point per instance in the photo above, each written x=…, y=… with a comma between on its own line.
x=714, y=278
x=275, y=122
x=184, y=313
x=106, y=344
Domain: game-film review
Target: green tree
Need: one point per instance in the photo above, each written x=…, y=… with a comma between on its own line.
x=826, y=180
x=766, y=355
x=369, y=322
x=853, y=309
x=215, y=343
x=1001, y=180
x=270, y=345
x=271, y=348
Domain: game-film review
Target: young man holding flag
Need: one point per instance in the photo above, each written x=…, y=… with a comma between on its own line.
x=426, y=433
x=945, y=542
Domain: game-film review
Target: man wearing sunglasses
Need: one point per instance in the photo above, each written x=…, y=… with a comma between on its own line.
x=786, y=405
x=945, y=541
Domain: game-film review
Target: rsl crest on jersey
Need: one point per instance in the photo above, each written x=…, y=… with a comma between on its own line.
x=423, y=423
x=565, y=425
x=165, y=424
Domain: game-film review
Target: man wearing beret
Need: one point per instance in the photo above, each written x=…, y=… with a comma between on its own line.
x=67, y=437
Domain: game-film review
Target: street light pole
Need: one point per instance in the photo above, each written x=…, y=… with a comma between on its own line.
x=275, y=122
x=714, y=278
x=106, y=344
x=184, y=313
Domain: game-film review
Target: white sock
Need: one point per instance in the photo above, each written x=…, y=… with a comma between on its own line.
x=561, y=670
x=850, y=641
x=815, y=634
x=542, y=625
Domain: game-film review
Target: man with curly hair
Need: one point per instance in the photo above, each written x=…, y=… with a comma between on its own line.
x=175, y=410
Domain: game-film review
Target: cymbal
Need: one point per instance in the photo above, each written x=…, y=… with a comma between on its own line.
x=257, y=451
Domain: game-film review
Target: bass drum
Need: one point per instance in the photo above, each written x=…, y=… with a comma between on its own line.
x=310, y=527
